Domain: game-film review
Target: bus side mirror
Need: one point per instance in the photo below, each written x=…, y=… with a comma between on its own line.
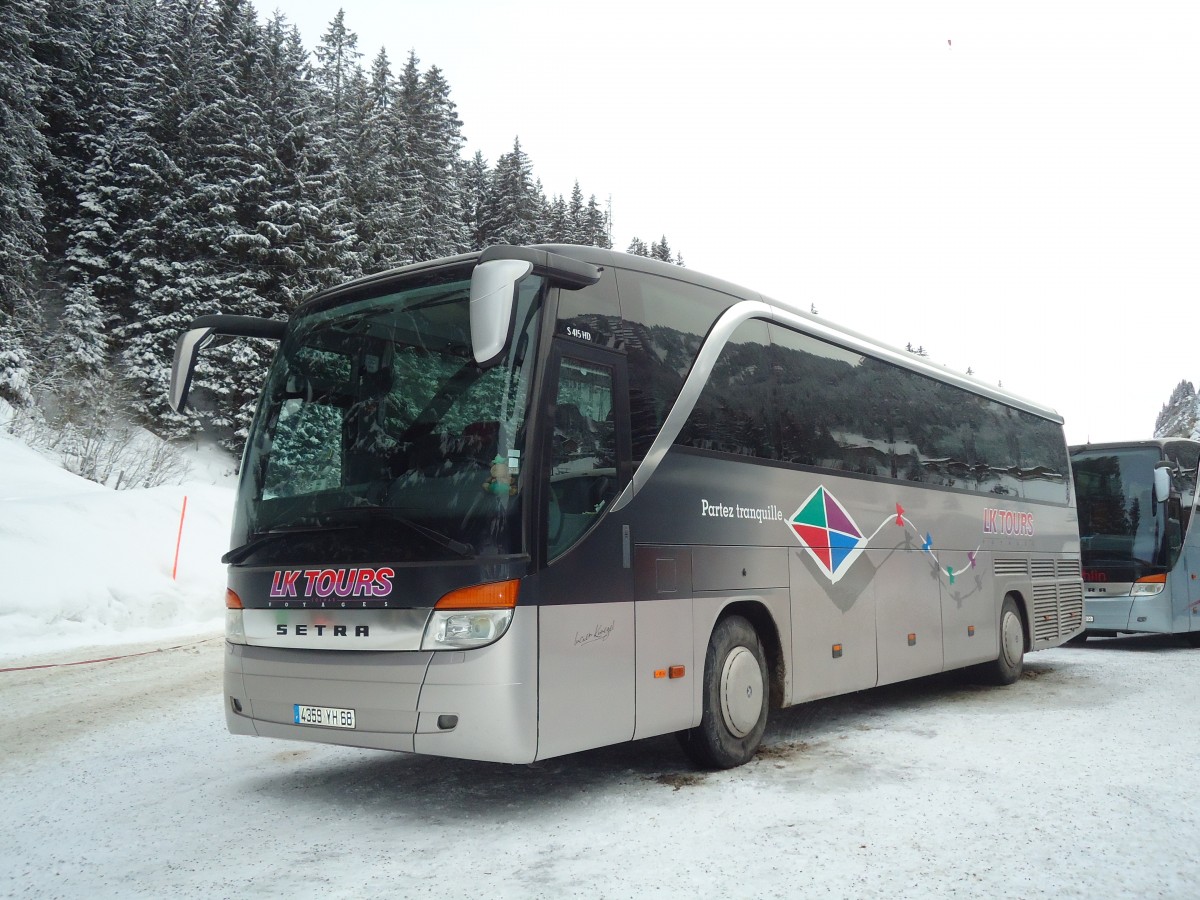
x=200, y=334
x=1162, y=481
x=187, y=348
x=493, y=286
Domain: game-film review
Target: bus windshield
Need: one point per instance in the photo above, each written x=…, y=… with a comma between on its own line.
x=1121, y=528
x=381, y=438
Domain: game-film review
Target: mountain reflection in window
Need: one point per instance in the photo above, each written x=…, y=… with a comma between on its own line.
x=781, y=395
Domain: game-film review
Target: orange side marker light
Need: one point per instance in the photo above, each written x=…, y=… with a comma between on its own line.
x=677, y=671
x=493, y=595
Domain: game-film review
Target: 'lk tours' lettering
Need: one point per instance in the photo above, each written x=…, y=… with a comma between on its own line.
x=333, y=582
x=1007, y=522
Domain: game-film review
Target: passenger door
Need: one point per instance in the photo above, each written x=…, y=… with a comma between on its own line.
x=585, y=596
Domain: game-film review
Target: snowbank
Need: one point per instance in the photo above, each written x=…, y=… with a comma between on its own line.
x=87, y=566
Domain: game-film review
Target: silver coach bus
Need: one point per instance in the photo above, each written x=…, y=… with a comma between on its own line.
x=524, y=502
x=1135, y=502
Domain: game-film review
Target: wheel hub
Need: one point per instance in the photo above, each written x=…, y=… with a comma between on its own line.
x=1012, y=640
x=741, y=691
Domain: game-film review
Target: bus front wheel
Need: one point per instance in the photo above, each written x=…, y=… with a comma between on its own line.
x=735, y=698
x=1010, y=661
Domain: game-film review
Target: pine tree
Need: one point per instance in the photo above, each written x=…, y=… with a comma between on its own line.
x=513, y=210
x=359, y=161
x=557, y=229
x=435, y=142
x=22, y=233
x=392, y=215
x=62, y=45
x=595, y=225
x=97, y=266
x=336, y=69
x=475, y=180
x=638, y=247
x=187, y=176
x=576, y=225
x=279, y=175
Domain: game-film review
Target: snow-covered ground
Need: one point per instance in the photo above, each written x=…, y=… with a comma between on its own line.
x=85, y=565
x=119, y=779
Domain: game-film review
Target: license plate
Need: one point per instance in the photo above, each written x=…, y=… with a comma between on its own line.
x=324, y=716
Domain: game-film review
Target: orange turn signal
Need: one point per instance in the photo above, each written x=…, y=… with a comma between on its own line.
x=1153, y=579
x=660, y=673
x=677, y=671
x=232, y=600
x=495, y=595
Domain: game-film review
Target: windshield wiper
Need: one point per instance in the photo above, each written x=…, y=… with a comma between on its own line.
x=451, y=296
x=239, y=554
x=368, y=514
x=346, y=519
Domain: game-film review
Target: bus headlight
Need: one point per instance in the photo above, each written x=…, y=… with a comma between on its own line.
x=235, y=627
x=471, y=616
x=235, y=624
x=1148, y=586
x=448, y=629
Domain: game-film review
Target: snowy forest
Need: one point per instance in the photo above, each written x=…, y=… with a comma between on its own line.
x=165, y=159
x=1180, y=415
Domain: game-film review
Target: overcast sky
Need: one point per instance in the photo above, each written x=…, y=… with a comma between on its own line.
x=1011, y=185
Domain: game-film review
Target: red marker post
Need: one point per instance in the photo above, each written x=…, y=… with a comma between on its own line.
x=179, y=538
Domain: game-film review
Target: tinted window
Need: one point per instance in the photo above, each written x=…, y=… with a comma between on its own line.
x=666, y=321
x=809, y=402
x=734, y=413
x=592, y=313
x=583, y=457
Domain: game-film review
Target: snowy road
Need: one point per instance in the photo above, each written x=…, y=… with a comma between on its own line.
x=1081, y=780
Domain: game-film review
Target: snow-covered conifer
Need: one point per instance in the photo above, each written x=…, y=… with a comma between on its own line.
x=22, y=155
x=512, y=213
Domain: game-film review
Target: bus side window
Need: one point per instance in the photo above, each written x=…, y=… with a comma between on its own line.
x=583, y=464
x=666, y=321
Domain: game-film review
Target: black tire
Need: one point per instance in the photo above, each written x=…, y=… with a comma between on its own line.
x=1006, y=668
x=1191, y=638
x=735, y=698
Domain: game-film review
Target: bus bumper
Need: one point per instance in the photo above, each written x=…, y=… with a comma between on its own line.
x=471, y=704
x=1112, y=615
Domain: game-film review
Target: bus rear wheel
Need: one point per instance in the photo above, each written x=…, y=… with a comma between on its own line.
x=735, y=698
x=1010, y=661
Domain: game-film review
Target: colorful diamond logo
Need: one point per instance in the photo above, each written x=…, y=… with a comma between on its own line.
x=828, y=533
